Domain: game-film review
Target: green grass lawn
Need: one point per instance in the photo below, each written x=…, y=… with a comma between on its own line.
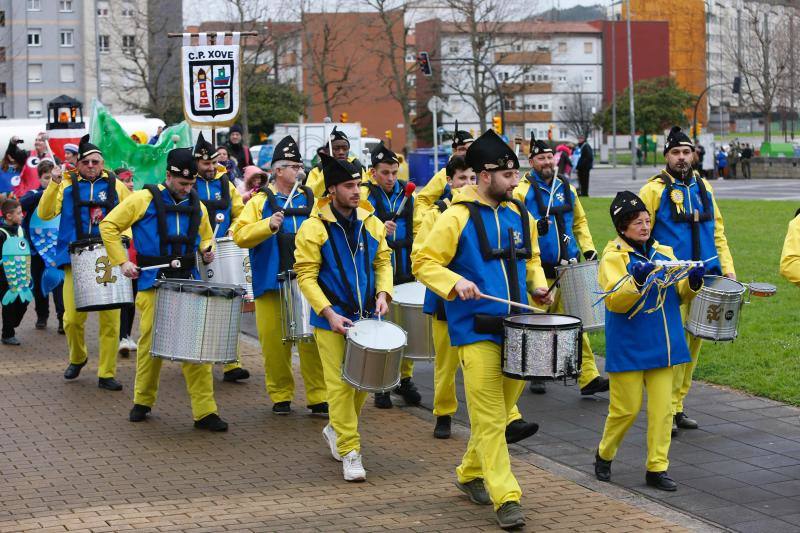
x=765, y=359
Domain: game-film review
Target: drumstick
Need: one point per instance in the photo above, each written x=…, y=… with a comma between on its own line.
x=510, y=302
x=408, y=191
x=175, y=263
x=555, y=282
x=289, y=198
x=550, y=200
x=218, y=219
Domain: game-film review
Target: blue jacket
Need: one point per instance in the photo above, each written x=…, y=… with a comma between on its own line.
x=217, y=200
x=644, y=340
x=386, y=205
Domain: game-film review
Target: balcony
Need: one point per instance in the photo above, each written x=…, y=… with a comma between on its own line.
x=528, y=88
x=529, y=116
x=523, y=58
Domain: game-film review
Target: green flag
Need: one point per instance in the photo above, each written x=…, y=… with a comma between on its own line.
x=148, y=162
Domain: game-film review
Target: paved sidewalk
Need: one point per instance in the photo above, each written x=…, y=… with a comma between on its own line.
x=70, y=460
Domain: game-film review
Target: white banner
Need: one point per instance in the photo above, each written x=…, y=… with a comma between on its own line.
x=210, y=74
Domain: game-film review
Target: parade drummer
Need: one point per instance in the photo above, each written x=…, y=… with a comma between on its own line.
x=268, y=229
x=344, y=269
x=484, y=244
x=790, y=256
x=15, y=272
x=169, y=224
x=219, y=195
x=84, y=197
x=386, y=193
x=340, y=146
x=437, y=189
x=686, y=218
x=644, y=336
x=563, y=234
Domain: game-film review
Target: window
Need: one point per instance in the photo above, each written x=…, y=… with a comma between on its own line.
x=127, y=10
x=67, y=73
x=35, y=108
x=2, y=89
x=65, y=6
x=34, y=5
x=412, y=107
x=128, y=44
x=453, y=48
x=587, y=47
x=2, y=18
x=562, y=48
x=102, y=8
x=102, y=44
x=2, y=54
x=34, y=73
x=65, y=37
x=34, y=37
x=587, y=76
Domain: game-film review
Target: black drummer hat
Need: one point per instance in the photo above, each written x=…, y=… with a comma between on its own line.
x=286, y=150
x=461, y=137
x=677, y=138
x=181, y=163
x=381, y=154
x=336, y=171
x=489, y=152
x=624, y=203
x=85, y=148
x=337, y=135
x=538, y=146
x=203, y=149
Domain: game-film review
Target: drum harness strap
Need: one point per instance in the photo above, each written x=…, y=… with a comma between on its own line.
x=561, y=225
x=286, y=245
x=77, y=203
x=689, y=218
x=399, y=246
x=351, y=307
x=215, y=206
x=173, y=247
x=442, y=204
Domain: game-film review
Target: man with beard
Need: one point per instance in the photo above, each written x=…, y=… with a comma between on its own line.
x=455, y=266
x=685, y=217
x=169, y=222
x=563, y=233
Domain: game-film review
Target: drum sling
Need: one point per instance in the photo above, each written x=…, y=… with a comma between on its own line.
x=215, y=206
x=561, y=225
x=688, y=218
x=401, y=247
x=77, y=204
x=286, y=244
x=351, y=307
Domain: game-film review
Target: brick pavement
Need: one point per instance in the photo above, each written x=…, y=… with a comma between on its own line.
x=70, y=461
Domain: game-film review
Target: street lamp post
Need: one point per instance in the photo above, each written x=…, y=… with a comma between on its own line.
x=630, y=92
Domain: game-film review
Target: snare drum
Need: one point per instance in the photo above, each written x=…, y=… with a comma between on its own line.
x=295, y=310
x=196, y=321
x=97, y=285
x=373, y=355
x=714, y=313
x=231, y=265
x=406, y=311
x=580, y=291
x=542, y=346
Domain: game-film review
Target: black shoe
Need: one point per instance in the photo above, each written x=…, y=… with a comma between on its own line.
x=408, y=391
x=138, y=413
x=383, y=400
x=282, y=408
x=60, y=326
x=73, y=370
x=674, y=432
x=537, y=386
x=519, y=430
x=10, y=341
x=684, y=422
x=509, y=516
x=598, y=384
x=476, y=491
x=235, y=374
x=442, y=429
x=661, y=481
x=109, y=384
x=602, y=468
x=41, y=323
x=319, y=409
x=211, y=422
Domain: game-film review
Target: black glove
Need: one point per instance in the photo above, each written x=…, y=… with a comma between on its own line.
x=640, y=271
x=542, y=226
x=696, y=277
x=590, y=255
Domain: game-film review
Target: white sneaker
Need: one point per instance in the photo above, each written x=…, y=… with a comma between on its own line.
x=124, y=349
x=352, y=467
x=330, y=436
x=131, y=344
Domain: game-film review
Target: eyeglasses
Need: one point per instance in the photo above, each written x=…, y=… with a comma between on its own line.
x=90, y=162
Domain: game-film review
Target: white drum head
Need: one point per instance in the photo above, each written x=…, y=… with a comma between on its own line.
x=723, y=285
x=409, y=293
x=377, y=334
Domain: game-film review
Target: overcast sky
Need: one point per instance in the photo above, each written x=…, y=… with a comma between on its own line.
x=197, y=11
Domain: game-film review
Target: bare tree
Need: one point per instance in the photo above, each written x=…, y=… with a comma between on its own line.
x=392, y=52
x=578, y=117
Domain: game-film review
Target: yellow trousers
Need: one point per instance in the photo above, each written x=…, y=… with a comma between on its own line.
x=75, y=327
x=445, y=365
x=682, y=374
x=490, y=399
x=278, y=355
x=406, y=368
x=588, y=365
x=624, y=406
x=198, y=377
x=344, y=402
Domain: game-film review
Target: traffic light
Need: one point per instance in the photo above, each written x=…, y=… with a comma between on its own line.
x=343, y=117
x=497, y=125
x=388, y=134
x=424, y=63
x=363, y=132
